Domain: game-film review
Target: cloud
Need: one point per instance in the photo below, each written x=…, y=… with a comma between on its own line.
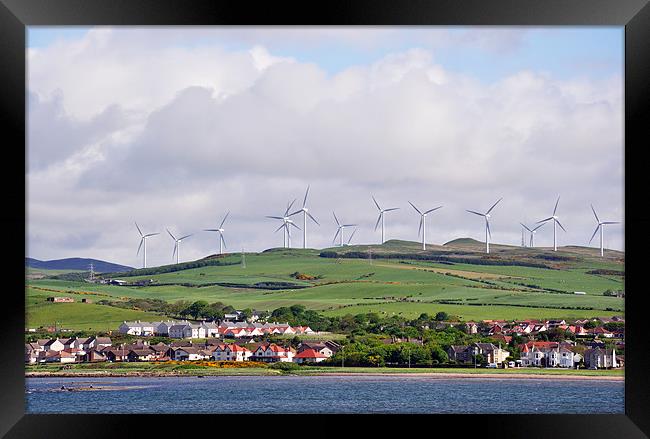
x=178, y=136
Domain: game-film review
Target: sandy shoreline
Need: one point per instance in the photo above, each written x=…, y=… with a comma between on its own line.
x=439, y=375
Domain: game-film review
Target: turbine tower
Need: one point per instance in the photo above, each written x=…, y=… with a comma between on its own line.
x=600, y=226
x=305, y=214
x=486, y=215
x=556, y=221
x=222, y=241
x=177, y=245
x=532, y=233
x=286, y=222
x=381, y=217
x=423, y=223
x=143, y=240
x=339, y=230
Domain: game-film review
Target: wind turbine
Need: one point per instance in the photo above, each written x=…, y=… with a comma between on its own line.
x=177, y=245
x=222, y=242
x=381, y=217
x=143, y=240
x=555, y=221
x=339, y=230
x=305, y=214
x=600, y=226
x=532, y=233
x=423, y=223
x=486, y=215
x=286, y=222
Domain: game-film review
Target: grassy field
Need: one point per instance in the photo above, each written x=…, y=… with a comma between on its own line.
x=343, y=285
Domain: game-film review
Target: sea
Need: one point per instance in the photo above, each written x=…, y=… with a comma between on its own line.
x=322, y=394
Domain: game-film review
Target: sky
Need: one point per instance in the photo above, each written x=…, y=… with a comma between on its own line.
x=173, y=127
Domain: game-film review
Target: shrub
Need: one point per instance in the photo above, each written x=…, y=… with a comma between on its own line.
x=285, y=366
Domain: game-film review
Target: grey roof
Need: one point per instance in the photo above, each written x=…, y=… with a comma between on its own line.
x=181, y=326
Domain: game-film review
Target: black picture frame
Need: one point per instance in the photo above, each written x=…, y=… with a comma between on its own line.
x=15, y=15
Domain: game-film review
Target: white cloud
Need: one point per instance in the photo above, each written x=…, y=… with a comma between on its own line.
x=176, y=136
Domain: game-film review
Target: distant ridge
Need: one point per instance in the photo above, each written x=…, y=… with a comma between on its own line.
x=76, y=264
x=464, y=241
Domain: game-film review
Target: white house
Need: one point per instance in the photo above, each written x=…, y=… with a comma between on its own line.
x=186, y=330
x=211, y=329
x=137, y=328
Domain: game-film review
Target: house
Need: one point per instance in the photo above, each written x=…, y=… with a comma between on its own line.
x=598, y=358
x=321, y=348
x=471, y=328
x=140, y=355
x=59, y=357
x=71, y=343
x=231, y=352
x=188, y=354
x=186, y=330
x=460, y=354
x=53, y=345
x=162, y=328
x=270, y=353
x=137, y=328
x=116, y=353
x=84, y=300
x=309, y=356
x=492, y=353
x=93, y=355
x=159, y=350
x=60, y=299
x=211, y=329
x=602, y=332
x=548, y=354
x=303, y=330
x=117, y=282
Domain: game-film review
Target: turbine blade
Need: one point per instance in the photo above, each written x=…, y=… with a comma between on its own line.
x=293, y=224
x=531, y=240
x=525, y=227
x=610, y=222
x=223, y=240
x=555, y=208
x=312, y=218
x=431, y=210
x=475, y=213
x=336, y=235
x=595, y=231
x=186, y=236
x=350, y=238
x=151, y=234
x=350, y=225
x=136, y=225
x=210, y=230
x=420, y=227
x=499, y=200
x=170, y=234
x=487, y=224
x=297, y=211
x=544, y=220
x=416, y=209
x=538, y=227
x=560, y=224
x=224, y=220
x=336, y=219
x=594, y=211
x=378, y=219
x=174, y=252
x=278, y=229
x=392, y=208
x=274, y=217
x=304, y=202
x=376, y=203
x=286, y=212
x=141, y=241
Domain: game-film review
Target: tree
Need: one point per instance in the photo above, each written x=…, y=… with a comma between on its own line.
x=197, y=308
x=591, y=324
x=442, y=316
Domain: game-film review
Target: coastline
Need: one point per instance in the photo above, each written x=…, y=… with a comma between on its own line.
x=335, y=373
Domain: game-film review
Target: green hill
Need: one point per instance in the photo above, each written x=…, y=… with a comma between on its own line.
x=396, y=277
